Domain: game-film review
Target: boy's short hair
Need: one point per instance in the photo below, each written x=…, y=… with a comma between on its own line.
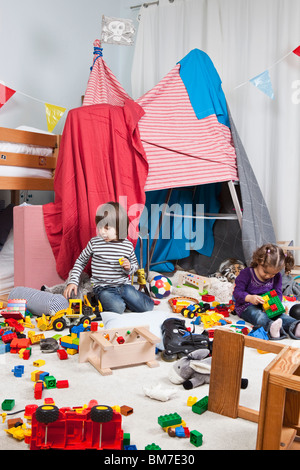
x=112, y=214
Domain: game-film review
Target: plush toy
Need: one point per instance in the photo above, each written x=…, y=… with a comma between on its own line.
x=84, y=287
x=192, y=370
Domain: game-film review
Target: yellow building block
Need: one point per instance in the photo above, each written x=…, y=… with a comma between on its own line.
x=34, y=375
x=191, y=401
x=39, y=363
x=71, y=351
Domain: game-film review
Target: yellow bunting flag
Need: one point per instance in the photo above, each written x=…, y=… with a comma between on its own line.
x=53, y=115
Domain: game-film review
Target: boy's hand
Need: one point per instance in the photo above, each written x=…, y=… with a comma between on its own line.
x=69, y=289
x=125, y=263
x=254, y=299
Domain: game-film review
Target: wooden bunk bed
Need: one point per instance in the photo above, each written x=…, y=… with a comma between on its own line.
x=27, y=161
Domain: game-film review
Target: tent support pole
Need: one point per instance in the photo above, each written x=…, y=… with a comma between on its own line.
x=236, y=202
x=147, y=267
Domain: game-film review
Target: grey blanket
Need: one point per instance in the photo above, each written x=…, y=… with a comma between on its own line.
x=257, y=227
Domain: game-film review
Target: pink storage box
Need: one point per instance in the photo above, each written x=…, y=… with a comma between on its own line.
x=34, y=262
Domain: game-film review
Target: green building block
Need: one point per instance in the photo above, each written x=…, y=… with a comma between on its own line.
x=196, y=438
x=169, y=420
x=126, y=439
x=152, y=447
x=275, y=306
x=50, y=381
x=200, y=406
x=8, y=404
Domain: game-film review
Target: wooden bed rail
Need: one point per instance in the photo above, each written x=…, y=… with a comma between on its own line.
x=19, y=183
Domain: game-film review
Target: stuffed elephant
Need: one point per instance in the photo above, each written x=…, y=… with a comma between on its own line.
x=192, y=370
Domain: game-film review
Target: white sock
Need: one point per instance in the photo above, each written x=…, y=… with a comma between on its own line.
x=297, y=331
x=275, y=328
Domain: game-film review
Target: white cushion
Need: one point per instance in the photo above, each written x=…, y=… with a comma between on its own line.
x=154, y=319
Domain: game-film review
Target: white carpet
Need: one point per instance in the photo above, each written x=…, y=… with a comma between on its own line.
x=125, y=387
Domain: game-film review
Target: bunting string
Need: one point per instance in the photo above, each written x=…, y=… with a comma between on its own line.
x=54, y=112
x=263, y=80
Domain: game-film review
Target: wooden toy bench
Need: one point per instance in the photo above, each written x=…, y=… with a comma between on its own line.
x=118, y=347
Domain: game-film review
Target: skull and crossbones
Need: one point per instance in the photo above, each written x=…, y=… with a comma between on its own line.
x=115, y=31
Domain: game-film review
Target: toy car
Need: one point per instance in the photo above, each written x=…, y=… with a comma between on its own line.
x=89, y=427
x=193, y=309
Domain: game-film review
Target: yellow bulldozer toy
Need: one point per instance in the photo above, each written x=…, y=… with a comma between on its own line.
x=77, y=313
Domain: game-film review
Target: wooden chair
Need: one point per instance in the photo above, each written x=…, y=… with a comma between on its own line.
x=279, y=414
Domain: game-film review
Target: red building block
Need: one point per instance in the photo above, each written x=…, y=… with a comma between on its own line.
x=62, y=354
x=62, y=384
x=38, y=390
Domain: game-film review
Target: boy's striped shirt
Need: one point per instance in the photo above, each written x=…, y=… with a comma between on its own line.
x=105, y=266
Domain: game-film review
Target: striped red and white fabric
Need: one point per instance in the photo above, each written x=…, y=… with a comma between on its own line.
x=182, y=150
x=103, y=87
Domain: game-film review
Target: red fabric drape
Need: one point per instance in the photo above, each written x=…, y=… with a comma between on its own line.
x=101, y=159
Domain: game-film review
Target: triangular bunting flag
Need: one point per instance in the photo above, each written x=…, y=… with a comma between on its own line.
x=263, y=83
x=53, y=115
x=297, y=51
x=5, y=94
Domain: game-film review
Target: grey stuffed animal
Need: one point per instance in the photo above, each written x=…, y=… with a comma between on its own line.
x=192, y=370
x=84, y=287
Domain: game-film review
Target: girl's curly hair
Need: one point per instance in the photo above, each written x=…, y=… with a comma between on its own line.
x=273, y=256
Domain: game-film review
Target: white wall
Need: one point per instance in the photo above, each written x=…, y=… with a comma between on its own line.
x=46, y=52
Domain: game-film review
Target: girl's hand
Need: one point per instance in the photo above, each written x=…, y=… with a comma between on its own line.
x=126, y=264
x=69, y=289
x=254, y=299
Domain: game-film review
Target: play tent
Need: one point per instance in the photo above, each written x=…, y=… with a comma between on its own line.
x=188, y=155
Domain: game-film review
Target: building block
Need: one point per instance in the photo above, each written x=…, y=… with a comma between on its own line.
x=8, y=404
x=169, y=420
x=196, y=438
x=259, y=333
x=50, y=381
x=272, y=305
x=62, y=384
x=38, y=390
x=18, y=371
x=126, y=410
x=152, y=447
x=39, y=363
x=200, y=406
x=62, y=354
x=191, y=401
x=4, y=348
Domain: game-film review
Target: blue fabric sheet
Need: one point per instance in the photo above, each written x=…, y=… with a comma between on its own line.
x=204, y=86
x=178, y=235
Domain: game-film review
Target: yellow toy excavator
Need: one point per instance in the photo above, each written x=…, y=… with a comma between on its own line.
x=65, y=318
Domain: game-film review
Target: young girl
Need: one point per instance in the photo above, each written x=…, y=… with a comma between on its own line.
x=113, y=260
x=262, y=276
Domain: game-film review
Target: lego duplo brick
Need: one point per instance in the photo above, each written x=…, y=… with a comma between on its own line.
x=273, y=305
x=200, y=406
x=169, y=420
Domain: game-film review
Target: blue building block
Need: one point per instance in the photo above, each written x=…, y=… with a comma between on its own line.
x=18, y=371
x=259, y=333
x=43, y=375
x=4, y=348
